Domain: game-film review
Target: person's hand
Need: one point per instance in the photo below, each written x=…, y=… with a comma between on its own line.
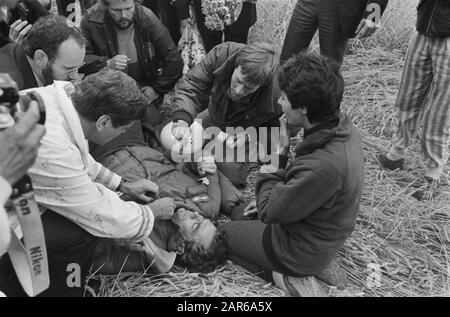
x=285, y=137
x=250, y=209
x=143, y=189
x=206, y=166
x=366, y=28
x=150, y=93
x=18, y=30
x=118, y=62
x=19, y=145
x=181, y=131
x=163, y=208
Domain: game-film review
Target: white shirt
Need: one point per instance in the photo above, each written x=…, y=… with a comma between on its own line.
x=67, y=180
x=5, y=192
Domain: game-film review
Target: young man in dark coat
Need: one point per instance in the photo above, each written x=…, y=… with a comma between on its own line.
x=234, y=86
x=308, y=208
x=337, y=21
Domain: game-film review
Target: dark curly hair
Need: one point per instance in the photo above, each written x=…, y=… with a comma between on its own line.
x=109, y=92
x=313, y=82
x=48, y=33
x=197, y=258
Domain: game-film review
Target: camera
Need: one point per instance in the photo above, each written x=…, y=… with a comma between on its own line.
x=12, y=103
x=28, y=10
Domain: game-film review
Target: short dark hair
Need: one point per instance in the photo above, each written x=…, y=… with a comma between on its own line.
x=110, y=92
x=258, y=62
x=313, y=82
x=197, y=258
x=48, y=33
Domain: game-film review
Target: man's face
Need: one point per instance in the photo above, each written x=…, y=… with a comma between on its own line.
x=295, y=117
x=122, y=13
x=240, y=87
x=194, y=227
x=68, y=60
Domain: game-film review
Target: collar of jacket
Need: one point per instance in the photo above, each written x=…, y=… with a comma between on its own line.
x=317, y=137
x=224, y=73
x=29, y=81
x=99, y=14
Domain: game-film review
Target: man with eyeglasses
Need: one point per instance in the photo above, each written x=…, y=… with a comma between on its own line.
x=51, y=51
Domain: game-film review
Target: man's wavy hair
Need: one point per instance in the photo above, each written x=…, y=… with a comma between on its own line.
x=197, y=258
x=313, y=82
x=47, y=34
x=259, y=62
x=110, y=92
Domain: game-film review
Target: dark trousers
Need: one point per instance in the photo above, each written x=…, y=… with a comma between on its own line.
x=308, y=16
x=244, y=240
x=213, y=38
x=168, y=16
x=66, y=243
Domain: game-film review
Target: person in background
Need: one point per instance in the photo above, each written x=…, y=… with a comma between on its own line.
x=337, y=21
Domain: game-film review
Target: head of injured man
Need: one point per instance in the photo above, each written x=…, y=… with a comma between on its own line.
x=202, y=247
x=108, y=103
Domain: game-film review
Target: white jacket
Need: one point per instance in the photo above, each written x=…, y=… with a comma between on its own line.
x=67, y=180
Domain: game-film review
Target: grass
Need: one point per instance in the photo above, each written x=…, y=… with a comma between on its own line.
x=407, y=241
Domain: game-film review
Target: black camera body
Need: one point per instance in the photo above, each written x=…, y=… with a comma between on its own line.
x=10, y=98
x=28, y=10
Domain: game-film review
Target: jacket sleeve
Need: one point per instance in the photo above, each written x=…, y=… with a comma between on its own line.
x=64, y=184
x=307, y=189
x=93, y=63
x=182, y=7
x=192, y=95
x=382, y=3
x=172, y=63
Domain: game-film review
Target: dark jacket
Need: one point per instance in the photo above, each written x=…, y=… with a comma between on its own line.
x=311, y=206
x=433, y=18
x=14, y=62
x=352, y=11
x=154, y=46
x=205, y=87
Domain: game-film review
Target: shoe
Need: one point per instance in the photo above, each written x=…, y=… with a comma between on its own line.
x=308, y=286
x=427, y=189
x=333, y=275
x=388, y=164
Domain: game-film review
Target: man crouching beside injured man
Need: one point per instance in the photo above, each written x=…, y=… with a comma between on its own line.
x=308, y=208
x=79, y=194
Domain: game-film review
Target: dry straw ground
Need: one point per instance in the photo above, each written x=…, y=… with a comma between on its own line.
x=408, y=240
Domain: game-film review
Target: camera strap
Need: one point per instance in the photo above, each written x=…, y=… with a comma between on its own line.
x=30, y=257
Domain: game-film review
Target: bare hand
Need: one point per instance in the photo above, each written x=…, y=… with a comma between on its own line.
x=150, y=93
x=285, y=137
x=206, y=166
x=250, y=209
x=18, y=30
x=163, y=208
x=143, y=189
x=119, y=62
x=19, y=145
x=181, y=131
x=366, y=28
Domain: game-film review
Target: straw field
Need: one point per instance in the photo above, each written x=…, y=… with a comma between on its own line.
x=401, y=246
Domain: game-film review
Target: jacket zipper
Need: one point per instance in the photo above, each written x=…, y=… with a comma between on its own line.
x=432, y=15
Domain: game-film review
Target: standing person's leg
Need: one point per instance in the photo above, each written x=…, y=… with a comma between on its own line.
x=333, y=43
x=244, y=240
x=301, y=28
x=169, y=18
x=66, y=243
x=210, y=38
x=241, y=37
x=414, y=87
x=436, y=126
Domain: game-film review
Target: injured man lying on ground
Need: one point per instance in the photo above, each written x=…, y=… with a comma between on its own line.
x=199, y=192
